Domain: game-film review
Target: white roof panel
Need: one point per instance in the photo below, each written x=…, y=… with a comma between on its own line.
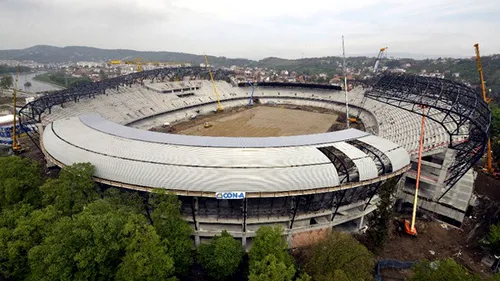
x=97, y=122
x=208, y=179
x=191, y=163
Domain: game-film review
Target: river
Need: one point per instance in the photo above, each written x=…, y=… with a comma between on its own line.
x=36, y=86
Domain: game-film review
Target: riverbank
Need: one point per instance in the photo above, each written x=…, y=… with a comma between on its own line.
x=62, y=80
x=36, y=86
x=46, y=78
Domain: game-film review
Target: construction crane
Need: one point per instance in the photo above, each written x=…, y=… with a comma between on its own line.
x=16, y=147
x=381, y=55
x=344, y=69
x=136, y=62
x=219, y=106
x=489, y=159
x=410, y=228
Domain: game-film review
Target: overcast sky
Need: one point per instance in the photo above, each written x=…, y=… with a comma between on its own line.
x=256, y=28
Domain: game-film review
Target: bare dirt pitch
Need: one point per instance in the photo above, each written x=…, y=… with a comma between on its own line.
x=260, y=121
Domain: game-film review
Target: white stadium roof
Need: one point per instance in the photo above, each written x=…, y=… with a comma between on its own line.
x=135, y=158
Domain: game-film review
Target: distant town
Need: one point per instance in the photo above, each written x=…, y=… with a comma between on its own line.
x=99, y=70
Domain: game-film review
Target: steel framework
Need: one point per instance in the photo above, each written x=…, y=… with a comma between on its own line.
x=458, y=108
x=31, y=113
x=278, y=207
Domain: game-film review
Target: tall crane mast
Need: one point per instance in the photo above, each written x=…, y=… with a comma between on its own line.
x=219, y=106
x=380, y=56
x=16, y=147
x=345, y=86
x=489, y=159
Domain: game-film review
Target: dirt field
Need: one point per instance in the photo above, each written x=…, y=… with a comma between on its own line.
x=260, y=121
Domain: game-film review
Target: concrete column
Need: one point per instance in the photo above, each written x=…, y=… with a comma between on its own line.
x=244, y=241
x=361, y=220
x=449, y=156
x=293, y=205
x=197, y=224
x=244, y=216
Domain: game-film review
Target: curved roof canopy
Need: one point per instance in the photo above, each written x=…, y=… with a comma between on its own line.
x=130, y=157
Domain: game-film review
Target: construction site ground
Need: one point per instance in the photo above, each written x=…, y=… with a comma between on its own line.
x=438, y=240
x=262, y=121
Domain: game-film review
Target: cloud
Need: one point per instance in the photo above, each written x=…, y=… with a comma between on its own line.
x=255, y=29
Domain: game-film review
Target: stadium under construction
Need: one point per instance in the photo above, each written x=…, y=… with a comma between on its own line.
x=304, y=182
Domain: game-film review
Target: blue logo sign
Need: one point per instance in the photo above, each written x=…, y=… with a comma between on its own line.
x=230, y=195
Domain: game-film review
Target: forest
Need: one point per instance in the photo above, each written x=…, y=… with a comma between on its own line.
x=66, y=227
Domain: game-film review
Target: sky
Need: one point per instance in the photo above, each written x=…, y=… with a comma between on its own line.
x=257, y=29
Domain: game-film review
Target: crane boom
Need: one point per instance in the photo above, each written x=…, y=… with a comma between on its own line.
x=489, y=158
x=380, y=56
x=219, y=106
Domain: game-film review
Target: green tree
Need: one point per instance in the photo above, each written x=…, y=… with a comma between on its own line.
x=27, y=85
x=271, y=269
x=6, y=81
x=102, y=75
x=170, y=225
x=123, y=198
x=86, y=246
x=146, y=257
x=269, y=241
x=338, y=256
x=493, y=239
x=495, y=120
x=20, y=179
x=29, y=232
x=221, y=257
x=446, y=269
x=303, y=277
x=378, y=226
x=10, y=215
x=72, y=190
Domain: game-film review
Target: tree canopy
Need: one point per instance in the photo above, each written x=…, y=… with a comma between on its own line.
x=72, y=190
x=269, y=257
x=446, y=269
x=269, y=241
x=378, y=226
x=339, y=257
x=271, y=269
x=68, y=229
x=493, y=239
x=20, y=180
x=170, y=225
x=6, y=81
x=221, y=257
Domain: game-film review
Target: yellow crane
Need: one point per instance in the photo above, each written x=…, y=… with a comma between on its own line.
x=489, y=159
x=16, y=147
x=137, y=62
x=219, y=106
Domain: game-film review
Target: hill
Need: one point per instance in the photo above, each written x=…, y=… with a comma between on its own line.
x=52, y=54
x=459, y=69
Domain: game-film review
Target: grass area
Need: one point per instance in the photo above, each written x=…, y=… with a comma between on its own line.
x=60, y=79
x=46, y=78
